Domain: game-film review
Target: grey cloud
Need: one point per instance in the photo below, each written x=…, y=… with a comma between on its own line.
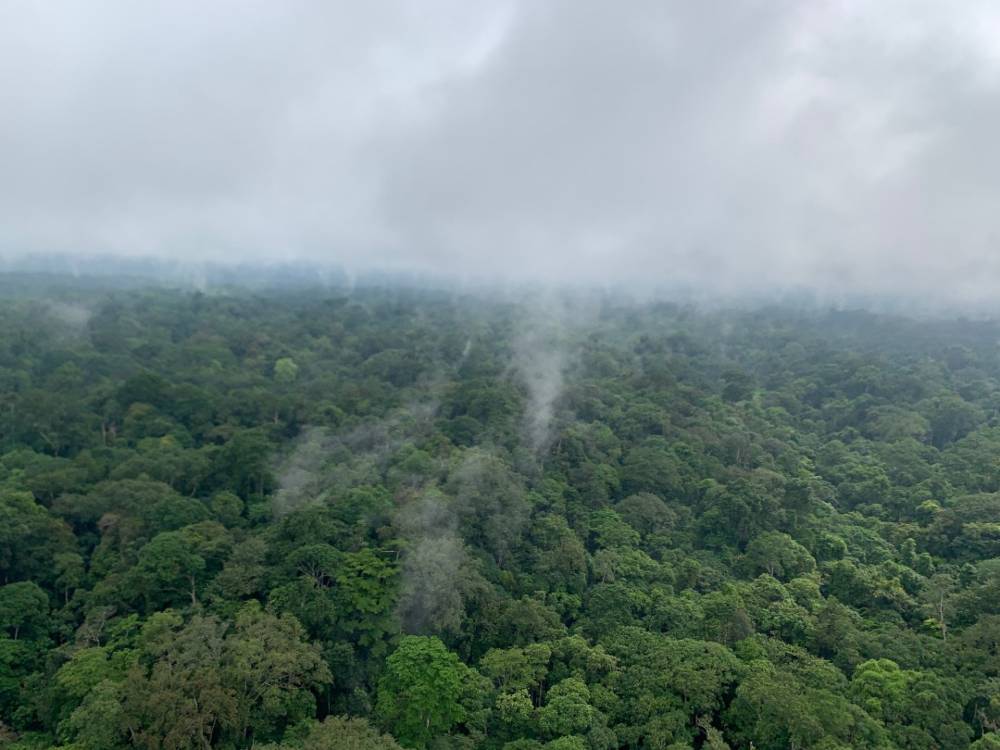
x=747, y=146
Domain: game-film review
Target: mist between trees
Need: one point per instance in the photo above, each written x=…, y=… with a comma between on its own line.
x=378, y=517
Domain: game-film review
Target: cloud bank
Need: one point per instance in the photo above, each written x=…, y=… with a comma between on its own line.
x=836, y=145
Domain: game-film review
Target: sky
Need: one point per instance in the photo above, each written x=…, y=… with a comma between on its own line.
x=755, y=145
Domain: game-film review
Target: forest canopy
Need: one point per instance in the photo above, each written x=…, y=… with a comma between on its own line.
x=385, y=517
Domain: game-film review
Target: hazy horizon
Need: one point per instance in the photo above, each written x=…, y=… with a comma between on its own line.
x=839, y=149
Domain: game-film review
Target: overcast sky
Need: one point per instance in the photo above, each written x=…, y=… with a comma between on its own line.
x=745, y=144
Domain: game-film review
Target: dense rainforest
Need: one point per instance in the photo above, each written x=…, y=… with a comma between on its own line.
x=366, y=518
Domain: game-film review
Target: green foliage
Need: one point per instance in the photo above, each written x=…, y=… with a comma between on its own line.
x=197, y=683
x=567, y=709
x=285, y=370
x=778, y=555
x=24, y=608
x=347, y=733
x=275, y=520
x=419, y=696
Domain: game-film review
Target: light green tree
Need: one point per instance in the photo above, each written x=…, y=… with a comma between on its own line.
x=24, y=607
x=285, y=370
x=420, y=694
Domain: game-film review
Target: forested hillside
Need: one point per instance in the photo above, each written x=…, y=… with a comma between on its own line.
x=376, y=518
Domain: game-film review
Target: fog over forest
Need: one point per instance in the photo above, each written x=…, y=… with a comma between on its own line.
x=844, y=148
x=499, y=375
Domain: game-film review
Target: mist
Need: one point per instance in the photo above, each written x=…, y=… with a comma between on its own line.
x=544, y=350
x=435, y=566
x=833, y=148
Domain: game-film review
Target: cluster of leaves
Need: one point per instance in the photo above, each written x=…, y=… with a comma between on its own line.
x=316, y=519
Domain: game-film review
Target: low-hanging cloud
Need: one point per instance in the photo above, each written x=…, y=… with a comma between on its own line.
x=840, y=146
x=542, y=354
